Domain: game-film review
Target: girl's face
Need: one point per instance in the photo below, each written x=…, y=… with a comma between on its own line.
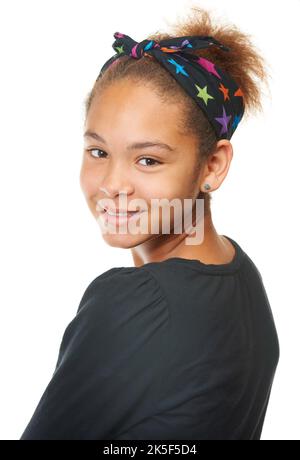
x=119, y=117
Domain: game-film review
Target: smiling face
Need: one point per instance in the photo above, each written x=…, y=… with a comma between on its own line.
x=120, y=116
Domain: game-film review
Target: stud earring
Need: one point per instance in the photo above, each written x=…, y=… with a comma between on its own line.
x=207, y=186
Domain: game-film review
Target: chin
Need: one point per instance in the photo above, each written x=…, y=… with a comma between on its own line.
x=125, y=241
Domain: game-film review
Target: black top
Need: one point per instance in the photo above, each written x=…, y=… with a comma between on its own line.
x=170, y=350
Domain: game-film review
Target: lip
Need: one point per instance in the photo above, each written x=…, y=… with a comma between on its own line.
x=120, y=219
x=103, y=208
x=117, y=211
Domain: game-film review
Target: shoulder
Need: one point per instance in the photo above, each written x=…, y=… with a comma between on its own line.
x=123, y=307
x=124, y=298
x=123, y=285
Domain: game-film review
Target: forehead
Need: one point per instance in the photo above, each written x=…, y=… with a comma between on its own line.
x=130, y=105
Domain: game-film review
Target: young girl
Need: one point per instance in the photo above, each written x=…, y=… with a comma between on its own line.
x=182, y=345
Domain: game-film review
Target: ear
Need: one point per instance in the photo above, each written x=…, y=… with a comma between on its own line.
x=217, y=166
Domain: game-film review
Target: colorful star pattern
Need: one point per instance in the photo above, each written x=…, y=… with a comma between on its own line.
x=209, y=66
x=203, y=93
x=224, y=91
x=214, y=90
x=120, y=49
x=224, y=121
x=179, y=68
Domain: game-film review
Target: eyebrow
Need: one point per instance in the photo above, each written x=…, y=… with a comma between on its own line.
x=135, y=145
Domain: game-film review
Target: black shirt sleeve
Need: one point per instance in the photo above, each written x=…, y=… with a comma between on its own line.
x=110, y=361
x=170, y=350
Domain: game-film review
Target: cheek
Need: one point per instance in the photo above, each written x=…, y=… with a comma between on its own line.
x=170, y=185
x=178, y=184
x=186, y=181
x=88, y=180
x=155, y=187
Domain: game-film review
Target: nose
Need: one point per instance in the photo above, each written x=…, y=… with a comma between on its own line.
x=116, y=182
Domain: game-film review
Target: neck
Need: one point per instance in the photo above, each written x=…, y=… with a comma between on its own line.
x=163, y=247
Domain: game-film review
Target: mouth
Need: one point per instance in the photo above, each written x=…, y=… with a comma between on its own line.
x=118, y=219
x=119, y=213
x=118, y=216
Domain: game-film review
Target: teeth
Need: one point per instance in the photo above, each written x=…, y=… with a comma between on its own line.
x=111, y=213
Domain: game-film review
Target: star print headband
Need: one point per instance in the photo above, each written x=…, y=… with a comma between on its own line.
x=213, y=89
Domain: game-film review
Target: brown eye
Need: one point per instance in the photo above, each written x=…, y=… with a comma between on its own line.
x=95, y=155
x=151, y=160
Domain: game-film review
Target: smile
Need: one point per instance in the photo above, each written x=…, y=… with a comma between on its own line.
x=119, y=218
x=120, y=214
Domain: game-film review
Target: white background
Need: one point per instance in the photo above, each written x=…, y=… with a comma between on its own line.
x=51, y=246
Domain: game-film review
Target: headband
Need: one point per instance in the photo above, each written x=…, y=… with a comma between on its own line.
x=213, y=89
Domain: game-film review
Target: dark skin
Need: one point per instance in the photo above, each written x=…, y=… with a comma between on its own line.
x=125, y=113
